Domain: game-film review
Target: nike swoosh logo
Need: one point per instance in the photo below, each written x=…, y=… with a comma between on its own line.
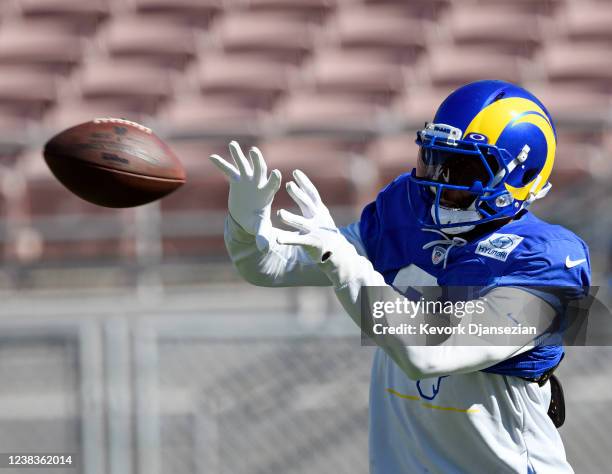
x=572, y=263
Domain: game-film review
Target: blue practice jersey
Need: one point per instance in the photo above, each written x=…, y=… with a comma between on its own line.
x=526, y=252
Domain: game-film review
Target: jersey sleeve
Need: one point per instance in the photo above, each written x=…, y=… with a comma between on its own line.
x=278, y=265
x=553, y=265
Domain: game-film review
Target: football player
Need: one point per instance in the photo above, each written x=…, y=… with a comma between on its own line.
x=460, y=218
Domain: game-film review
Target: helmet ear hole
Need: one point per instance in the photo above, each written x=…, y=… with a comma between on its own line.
x=529, y=175
x=499, y=96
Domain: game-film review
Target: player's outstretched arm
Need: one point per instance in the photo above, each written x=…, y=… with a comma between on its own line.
x=351, y=274
x=250, y=238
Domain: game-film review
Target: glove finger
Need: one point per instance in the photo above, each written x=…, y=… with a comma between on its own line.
x=293, y=220
x=243, y=165
x=307, y=186
x=273, y=184
x=260, y=169
x=226, y=168
x=301, y=199
x=293, y=238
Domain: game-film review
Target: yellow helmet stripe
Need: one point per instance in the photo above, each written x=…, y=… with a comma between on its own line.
x=493, y=120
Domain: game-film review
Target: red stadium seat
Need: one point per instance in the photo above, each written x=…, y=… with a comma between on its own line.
x=279, y=37
x=13, y=135
x=573, y=105
x=27, y=93
x=393, y=155
x=418, y=105
x=192, y=12
x=360, y=74
x=546, y=7
x=160, y=42
x=574, y=158
x=328, y=162
x=39, y=46
x=323, y=113
x=252, y=81
x=138, y=87
x=209, y=116
x=586, y=65
x=453, y=67
x=495, y=29
x=193, y=215
x=70, y=228
x=428, y=9
x=206, y=187
x=600, y=163
x=82, y=16
x=588, y=21
x=310, y=10
x=386, y=29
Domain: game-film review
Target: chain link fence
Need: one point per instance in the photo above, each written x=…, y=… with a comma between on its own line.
x=160, y=390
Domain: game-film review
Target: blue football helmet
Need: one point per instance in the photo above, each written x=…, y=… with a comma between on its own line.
x=487, y=155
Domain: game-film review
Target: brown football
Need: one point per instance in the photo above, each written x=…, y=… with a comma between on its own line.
x=114, y=163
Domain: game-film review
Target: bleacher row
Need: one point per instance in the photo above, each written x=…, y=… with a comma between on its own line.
x=335, y=87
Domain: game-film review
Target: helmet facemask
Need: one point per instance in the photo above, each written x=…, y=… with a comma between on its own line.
x=458, y=177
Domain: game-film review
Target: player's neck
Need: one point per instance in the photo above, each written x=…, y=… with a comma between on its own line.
x=489, y=227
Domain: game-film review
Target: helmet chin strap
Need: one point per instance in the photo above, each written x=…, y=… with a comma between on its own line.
x=456, y=216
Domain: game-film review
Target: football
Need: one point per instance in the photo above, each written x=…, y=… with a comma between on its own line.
x=113, y=162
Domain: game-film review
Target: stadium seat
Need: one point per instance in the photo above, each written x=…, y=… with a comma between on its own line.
x=279, y=37
x=138, y=87
x=193, y=215
x=46, y=196
x=359, y=74
x=310, y=10
x=160, y=42
x=209, y=116
x=429, y=9
x=327, y=161
x=325, y=113
x=545, y=7
x=418, y=105
x=386, y=29
x=453, y=67
x=192, y=12
x=573, y=105
x=70, y=228
x=206, y=188
x=576, y=151
x=393, y=155
x=600, y=164
x=494, y=28
x=28, y=93
x=82, y=16
x=588, y=21
x=39, y=46
x=250, y=80
x=586, y=65
x=13, y=135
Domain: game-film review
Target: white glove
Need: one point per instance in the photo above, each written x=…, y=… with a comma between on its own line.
x=318, y=235
x=251, y=191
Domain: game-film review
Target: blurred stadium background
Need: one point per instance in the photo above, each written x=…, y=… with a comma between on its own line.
x=126, y=335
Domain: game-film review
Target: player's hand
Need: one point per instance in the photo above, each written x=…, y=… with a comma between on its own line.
x=317, y=233
x=251, y=190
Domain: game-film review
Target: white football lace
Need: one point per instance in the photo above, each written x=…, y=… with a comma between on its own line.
x=454, y=242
